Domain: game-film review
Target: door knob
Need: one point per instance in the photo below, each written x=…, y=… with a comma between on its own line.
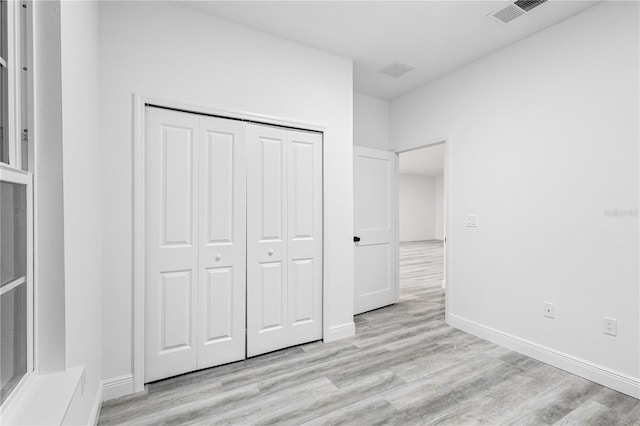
x=356, y=239
x=218, y=257
x=270, y=252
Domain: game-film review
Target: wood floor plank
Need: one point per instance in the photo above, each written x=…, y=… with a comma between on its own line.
x=404, y=366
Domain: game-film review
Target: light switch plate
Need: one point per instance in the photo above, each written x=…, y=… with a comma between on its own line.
x=472, y=220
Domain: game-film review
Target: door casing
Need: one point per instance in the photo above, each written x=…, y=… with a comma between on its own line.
x=138, y=301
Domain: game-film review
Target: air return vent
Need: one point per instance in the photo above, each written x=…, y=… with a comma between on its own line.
x=395, y=69
x=527, y=5
x=508, y=13
x=513, y=10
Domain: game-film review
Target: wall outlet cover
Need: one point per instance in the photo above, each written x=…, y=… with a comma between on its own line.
x=610, y=326
x=549, y=310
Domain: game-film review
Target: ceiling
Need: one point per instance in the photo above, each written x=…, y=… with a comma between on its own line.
x=434, y=37
x=424, y=161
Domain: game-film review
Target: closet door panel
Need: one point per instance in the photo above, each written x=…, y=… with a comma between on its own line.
x=171, y=221
x=267, y=293
x=305, y=236
x=222, y=241
x=284, y=234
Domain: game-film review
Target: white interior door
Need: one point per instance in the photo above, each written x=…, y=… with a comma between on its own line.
x=284, y=238
x=195, y=242
x=375, y=201
x=171, y=243
x=222, y=233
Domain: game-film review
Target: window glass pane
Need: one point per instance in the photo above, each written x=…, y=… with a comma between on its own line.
x=4, y=94
x=24, y=89
x=4, y=119
x=3, y=29
x=13, y=300
x=13, y=338
x=13, y=232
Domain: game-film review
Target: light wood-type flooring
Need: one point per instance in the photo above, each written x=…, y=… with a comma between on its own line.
x=404, y=366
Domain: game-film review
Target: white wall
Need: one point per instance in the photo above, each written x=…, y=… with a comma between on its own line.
x=167, y=51
x=439, y=208
x=82, y=200
x=417, y=207
x=370, y=121
x=48, y=188
x=544, y=138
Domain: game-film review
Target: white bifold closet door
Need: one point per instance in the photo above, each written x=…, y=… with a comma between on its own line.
x=284, y=238
x=233, y=236
x=195, y=242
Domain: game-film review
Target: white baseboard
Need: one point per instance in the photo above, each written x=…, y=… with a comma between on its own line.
x=95, y=409
x=596, y=373
x=341, y=331
x=117, y=387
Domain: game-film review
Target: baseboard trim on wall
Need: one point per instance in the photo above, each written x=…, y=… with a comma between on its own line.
x=96, y=407
x=117, y=387
x=596, y=373
x=341, y=331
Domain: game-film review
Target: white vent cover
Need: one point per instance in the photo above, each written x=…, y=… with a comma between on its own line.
x=508, y=13
x=395, y=69
x=518, y=8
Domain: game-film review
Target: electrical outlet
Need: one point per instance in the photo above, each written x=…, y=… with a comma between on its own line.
x=549, y=310
x=472, y=220
x=610, y=326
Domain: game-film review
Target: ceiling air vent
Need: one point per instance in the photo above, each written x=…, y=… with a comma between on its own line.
x=515, y=9
x=527, y=5
x=508, y=13
x=395, y=69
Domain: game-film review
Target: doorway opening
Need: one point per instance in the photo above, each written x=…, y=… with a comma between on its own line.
x=421, y=226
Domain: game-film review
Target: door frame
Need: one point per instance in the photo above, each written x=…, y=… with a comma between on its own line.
x=139, y=104
x=446, y=282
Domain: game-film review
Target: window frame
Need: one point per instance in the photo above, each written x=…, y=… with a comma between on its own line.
x=20, y=177
x=18, y=170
